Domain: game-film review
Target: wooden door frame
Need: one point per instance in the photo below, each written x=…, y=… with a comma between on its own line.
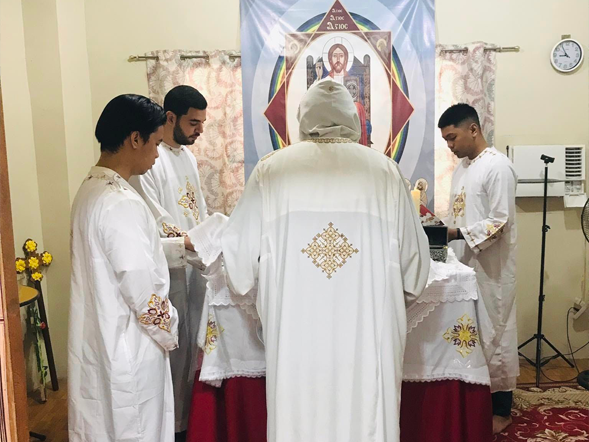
x=16, y=384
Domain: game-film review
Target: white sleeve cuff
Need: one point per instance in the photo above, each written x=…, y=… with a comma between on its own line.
x=175, y=252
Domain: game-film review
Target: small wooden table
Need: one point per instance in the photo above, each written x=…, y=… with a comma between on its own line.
x=27, y=295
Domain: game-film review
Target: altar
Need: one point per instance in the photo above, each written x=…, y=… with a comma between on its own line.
x=446, y=385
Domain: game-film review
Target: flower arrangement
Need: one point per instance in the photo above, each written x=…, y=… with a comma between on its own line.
x=33, y=264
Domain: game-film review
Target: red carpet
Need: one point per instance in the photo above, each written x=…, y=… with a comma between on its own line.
x=549, y=415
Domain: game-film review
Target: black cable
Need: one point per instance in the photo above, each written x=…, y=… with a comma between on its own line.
x=579, y=349
x=545, y=358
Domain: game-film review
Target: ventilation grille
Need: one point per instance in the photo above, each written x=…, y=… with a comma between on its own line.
x=575, y=163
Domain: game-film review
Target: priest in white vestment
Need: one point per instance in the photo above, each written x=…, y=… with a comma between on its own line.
x=172, y=191
x=327, y=229
x=122, y=324
x=482, y=219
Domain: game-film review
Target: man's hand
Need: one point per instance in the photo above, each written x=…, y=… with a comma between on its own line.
x=452, y=234
x=188, y=245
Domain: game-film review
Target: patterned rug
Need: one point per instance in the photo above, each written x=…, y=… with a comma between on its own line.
x=548, y=415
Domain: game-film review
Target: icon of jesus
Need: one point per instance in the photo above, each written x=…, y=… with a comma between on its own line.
x=338, y=60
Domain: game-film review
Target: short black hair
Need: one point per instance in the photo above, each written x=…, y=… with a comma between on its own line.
x=126, y=114
x=181, y=98
x=458, y=114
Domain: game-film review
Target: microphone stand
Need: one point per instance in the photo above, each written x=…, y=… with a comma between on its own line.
x=539, y=336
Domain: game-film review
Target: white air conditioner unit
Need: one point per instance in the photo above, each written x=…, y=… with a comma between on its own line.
x=566, y=175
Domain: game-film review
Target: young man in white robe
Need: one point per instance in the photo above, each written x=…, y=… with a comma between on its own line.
x=122, y=324
x=482, y=225
x=328, y=230
x=171, y=189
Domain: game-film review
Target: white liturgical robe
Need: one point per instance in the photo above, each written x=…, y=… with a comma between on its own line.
x=171, y=189
x=482, y=205
x=122, y=325
x=328, y=230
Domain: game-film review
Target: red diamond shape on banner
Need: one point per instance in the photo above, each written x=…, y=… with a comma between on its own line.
x=276, y=113
x=402, y=110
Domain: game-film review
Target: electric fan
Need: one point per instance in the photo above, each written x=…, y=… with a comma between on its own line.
x=583, y=378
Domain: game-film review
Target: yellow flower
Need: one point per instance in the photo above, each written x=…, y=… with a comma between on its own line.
x=30, y=245
x=21, y=265
x=47, y=258
x=37, y=276
x=33, y=263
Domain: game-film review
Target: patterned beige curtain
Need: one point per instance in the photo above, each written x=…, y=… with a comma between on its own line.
x=219, y=152
x=462, y=77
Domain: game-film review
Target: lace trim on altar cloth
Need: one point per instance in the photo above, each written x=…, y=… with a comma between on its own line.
x=448, y=377
x=215, y=378
x=477, y=374
x=418, y=312
x=219, y=294
x=436, y=294
x=449, y=291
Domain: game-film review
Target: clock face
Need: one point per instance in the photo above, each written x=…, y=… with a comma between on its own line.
x=567, y=55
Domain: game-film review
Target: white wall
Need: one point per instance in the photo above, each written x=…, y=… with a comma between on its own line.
x=140, y=26
x=535, y=105
x=76, y=92
x=18, y=121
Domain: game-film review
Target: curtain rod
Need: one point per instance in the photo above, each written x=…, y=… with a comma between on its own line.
x=499, y=49
x=133, y=58
x=182, y=57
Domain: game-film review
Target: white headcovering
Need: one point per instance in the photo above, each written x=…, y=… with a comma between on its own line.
x=328, y=111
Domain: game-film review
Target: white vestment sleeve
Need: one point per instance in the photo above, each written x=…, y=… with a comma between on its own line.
x=128, y=245
x=413, y=244
x=206, y=239
x=148, y=187
x=175, y=251
x=500, y=189
x=242, y=237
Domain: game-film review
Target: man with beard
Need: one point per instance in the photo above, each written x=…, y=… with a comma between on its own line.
x=172, y=191
x=338, y=58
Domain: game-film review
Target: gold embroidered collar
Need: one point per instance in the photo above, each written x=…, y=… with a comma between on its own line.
x=104, y=173
x=482, y=154
x=329, y=140
x=175, y=150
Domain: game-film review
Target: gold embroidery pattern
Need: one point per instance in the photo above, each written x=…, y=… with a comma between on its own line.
x=459, y=204
x=494, y=230
x=472, y=240
x=329, y=250
x=265, y=157
x=329, y=140
x=172, y=231
x=213, y=333
x=482, y=154
x=188, y=200
x=110, y=179
x=158, y=313
x=464, y=335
